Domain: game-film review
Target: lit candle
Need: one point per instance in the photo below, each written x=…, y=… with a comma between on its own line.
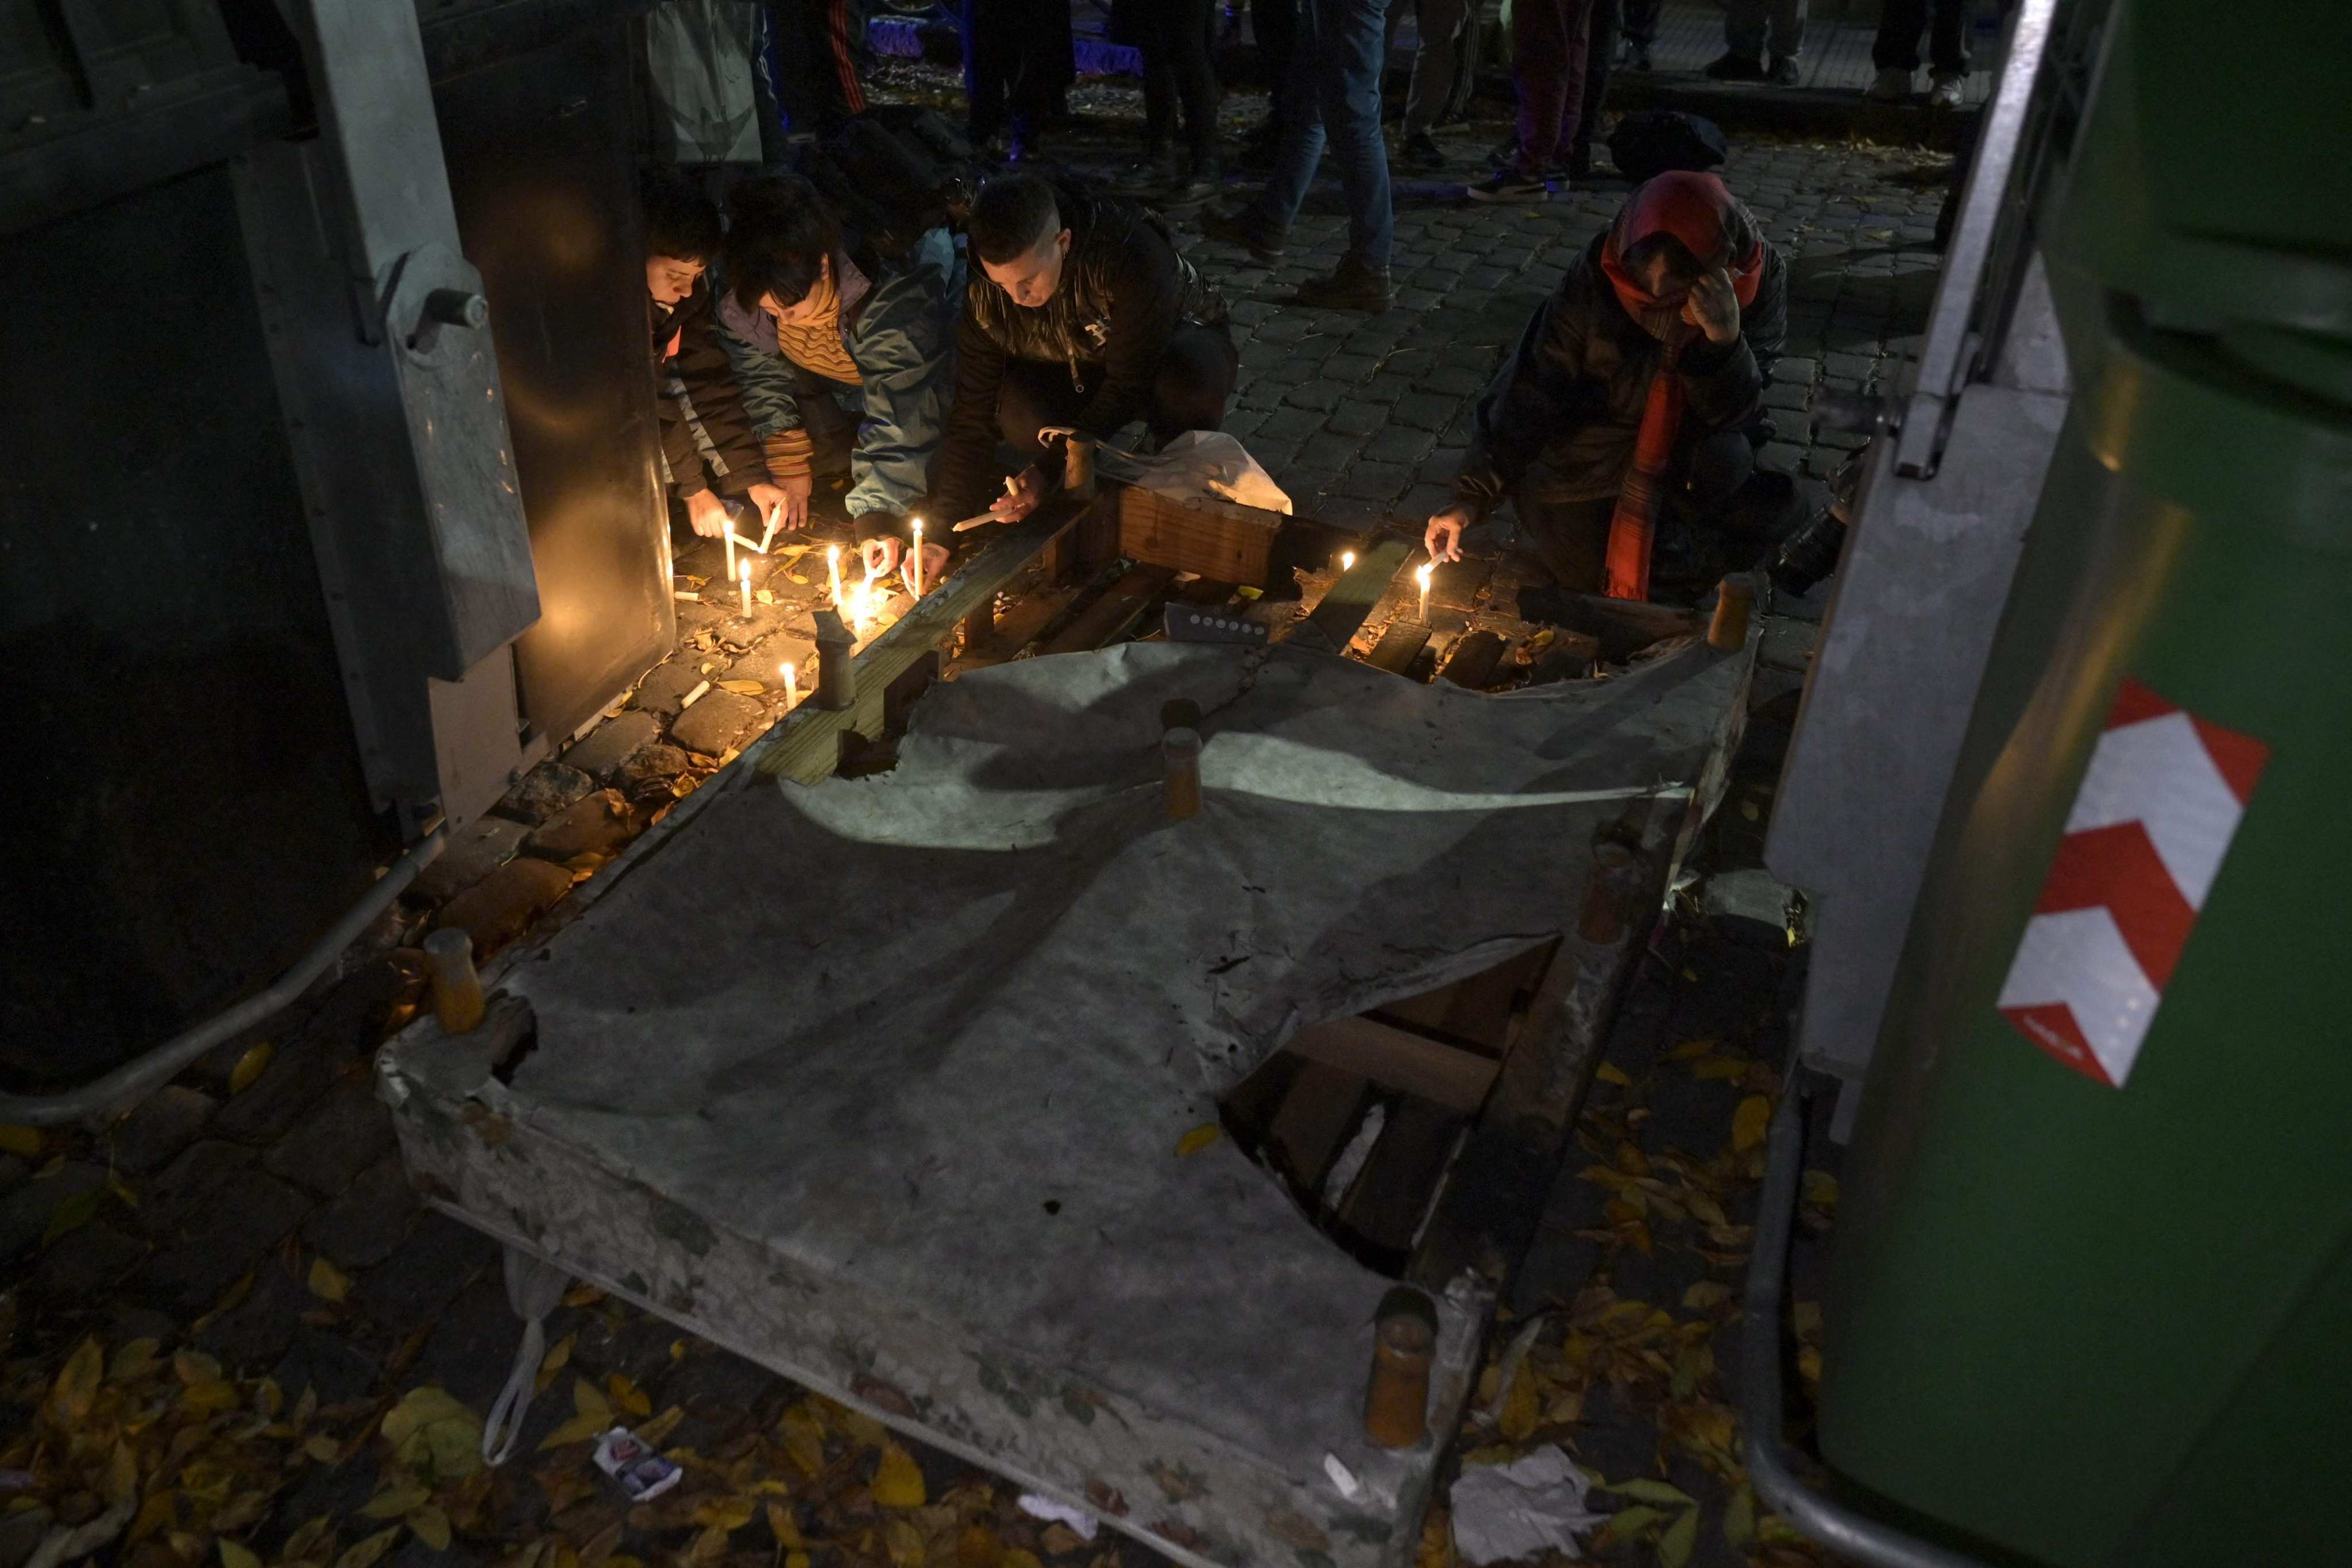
x=746, y=581
x=915, y=566
x=1347, y=559
x=833, y=566
x=1421, y=577
x=792, y=688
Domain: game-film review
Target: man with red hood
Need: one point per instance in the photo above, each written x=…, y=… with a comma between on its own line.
x=1628, y=392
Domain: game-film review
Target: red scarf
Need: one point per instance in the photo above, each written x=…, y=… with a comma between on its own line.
x=1695, y=209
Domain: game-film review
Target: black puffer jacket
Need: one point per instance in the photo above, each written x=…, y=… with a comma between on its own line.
x=1125, y=288
x=689, y=360
x=1573, y=391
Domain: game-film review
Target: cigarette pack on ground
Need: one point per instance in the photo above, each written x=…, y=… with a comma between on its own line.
x=642, y=1474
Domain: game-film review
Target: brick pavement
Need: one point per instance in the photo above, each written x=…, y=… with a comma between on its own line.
x=199, y=1219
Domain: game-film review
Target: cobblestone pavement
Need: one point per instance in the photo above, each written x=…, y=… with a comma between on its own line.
x=256, y=1214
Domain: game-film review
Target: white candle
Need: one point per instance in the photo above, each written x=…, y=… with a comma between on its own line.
x=731, y=547
x=746, y=581
x=792, y=688
x=915, y=566
x=1421, y=577
x=1347, y=559
x=833, y=566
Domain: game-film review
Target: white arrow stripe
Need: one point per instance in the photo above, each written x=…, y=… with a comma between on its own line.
x=2079, y=957
x=2158, y=774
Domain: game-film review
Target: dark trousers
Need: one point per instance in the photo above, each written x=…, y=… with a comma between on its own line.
x=1174, y=38
x=1641, y=20
x=1600, y=52
x=821, y=53
x=1703, y=486
x=827, y=409
x=1896, y=47
x=1189, y=392
x=1273, y=26
x=1018, y=61
x=1550, y=42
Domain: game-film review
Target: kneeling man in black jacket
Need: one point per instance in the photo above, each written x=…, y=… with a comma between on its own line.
x=1081, y=316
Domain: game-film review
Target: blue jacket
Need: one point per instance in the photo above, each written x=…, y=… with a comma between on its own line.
x=898, y=321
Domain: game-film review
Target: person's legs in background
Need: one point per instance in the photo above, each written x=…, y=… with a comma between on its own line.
x=1948, y=54
x=1439, y=23
x=1549, y=42
x=1787, y=38
x=1896, y=50
x=1274, y=28
x=820, y=52
x=1640, y=23
x=1157, y=169
x=988, y=55
x=1194, y=381
x=1195, y=82
x=1262, y=227
x=1350, y=46
x=1600, y=48
x=1743, y=42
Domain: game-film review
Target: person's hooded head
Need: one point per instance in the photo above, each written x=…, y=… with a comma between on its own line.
x=1674, y=230
x=681, y=233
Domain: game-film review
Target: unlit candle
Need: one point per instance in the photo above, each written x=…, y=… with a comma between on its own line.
x=916, y=571
x=792, y=688
x=833, y=566
x=746, y=581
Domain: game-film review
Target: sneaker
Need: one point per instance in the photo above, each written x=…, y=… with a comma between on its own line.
x=1947, y=90
x=1420, y=152
x=1208, y=176
x=1783, y=71
x=1510, y=186
x=1352, y=286
x=1737, y=67
x=1891, y=85
x=1504, y=154
x=1236, y=228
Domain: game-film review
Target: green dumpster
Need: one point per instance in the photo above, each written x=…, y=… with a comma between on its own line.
x=2091, y=1297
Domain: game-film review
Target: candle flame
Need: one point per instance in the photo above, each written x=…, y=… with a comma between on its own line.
x=1422, y=577
x=1347, y=559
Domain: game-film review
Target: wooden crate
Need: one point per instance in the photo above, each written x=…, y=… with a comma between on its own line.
x=1221, y=541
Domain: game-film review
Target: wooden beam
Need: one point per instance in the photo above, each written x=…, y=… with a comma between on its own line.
x=804, y=745
x=1115, y=614
x=1400, y=1058
x=1213, y=538
x=1473, y=660
x=1354, y=597
x=1400, y=643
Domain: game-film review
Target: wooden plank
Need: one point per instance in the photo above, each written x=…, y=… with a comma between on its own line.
x=1115, y=614
x=1354, y=597
x=804, y=745
x=1216, y=539
x=1477, y=1013
x=1442, y=1074
x=1400, y=643
x=1473, y=659
x=1322, y=1107
x=1393, y=1195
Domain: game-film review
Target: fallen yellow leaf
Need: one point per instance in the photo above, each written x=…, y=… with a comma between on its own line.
x=1689, y=1049
x=396, y=1499
x=77, y=1386
x=628, y=1396
x=1198, y=1139
x=23, y=1141
x=250, y=1066
x=765, y=596
x=1610, y=1072
x=898, y=1481
x=322, y=1448
x=232, y=1555
x=797, y=578
x=366, y=1552
x=652, y=1432
x=432, y=1527
x=784, y=1528
x=742, y=688
x=583, y=1296
x=1750, y=1122
x=327, y=1282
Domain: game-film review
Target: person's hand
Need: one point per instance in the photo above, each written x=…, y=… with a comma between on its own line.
x=881, y=554
x=935, y=561
x=1443, y=537
x=707, y=513
x=787, y=501
x=1023, y=496
x=1713, y=307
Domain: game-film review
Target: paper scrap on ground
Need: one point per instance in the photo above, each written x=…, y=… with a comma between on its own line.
x=1084, y=1523
x=1533, y=1504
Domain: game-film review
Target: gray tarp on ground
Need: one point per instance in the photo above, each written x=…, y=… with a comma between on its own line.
x=919, y=1049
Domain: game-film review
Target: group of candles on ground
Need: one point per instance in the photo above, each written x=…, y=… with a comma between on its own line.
x=860, y=606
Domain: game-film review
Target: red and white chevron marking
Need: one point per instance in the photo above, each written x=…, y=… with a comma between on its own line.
x=2161, y=800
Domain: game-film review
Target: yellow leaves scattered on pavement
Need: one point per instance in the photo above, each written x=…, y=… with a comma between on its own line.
x=1198, y=1139
x=1750, y=1122
x=897, y=1482
x=742, y=688
x=25, y=1143
x=435, y=1435
x=327, y=1282
x=558, y=1356
x=627, y=1396
x=1610, y=1072
x=232, y=1555
x=250, y=1066
x=591, y=1413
